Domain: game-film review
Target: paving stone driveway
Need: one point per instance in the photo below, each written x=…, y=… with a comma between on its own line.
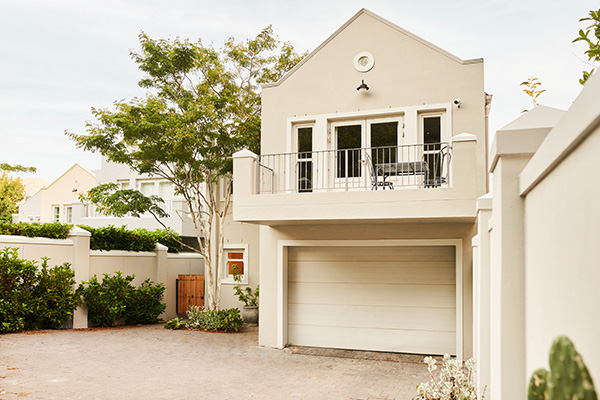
x=149, y=362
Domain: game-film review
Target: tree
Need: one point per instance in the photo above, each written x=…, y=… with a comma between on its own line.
x=593, y=51
x=532, y=90
x=12, y=190
x=203, y=105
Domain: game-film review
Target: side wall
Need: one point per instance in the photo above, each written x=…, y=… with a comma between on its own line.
x=562, y=229
x=269, y=261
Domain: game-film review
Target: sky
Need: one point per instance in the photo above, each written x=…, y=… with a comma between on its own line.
x=59, y=58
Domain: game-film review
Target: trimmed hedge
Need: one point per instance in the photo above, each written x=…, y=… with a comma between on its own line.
x=52, y=230
x=227, y=320
x=113, y=238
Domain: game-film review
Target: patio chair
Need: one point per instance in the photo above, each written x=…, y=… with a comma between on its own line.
x=373, y=174
x=440, y=160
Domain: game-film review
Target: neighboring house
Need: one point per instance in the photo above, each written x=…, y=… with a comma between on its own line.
x=366, y=199
x=54, y=203
x=241, y=240
x=536, y=272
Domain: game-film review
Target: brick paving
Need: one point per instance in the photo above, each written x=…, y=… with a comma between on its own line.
x=149, y=362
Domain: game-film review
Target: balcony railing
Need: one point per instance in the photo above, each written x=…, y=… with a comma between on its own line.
x=371, y=168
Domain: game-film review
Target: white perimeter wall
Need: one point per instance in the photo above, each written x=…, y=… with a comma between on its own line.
x=158, y=265
x=562, y=278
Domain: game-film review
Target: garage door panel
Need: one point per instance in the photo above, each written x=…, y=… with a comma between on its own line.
x=373, y=298
x=373, y=272
x=420, y=342
x=372, y=294
x=412, y=253
x=403, y=318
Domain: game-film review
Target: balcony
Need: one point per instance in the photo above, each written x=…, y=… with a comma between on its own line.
x=377, y=168
x=409, y=182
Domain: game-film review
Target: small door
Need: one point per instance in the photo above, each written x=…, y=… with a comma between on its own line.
x=190, y=292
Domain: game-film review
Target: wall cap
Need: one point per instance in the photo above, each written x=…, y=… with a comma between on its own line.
x=79, y=232
x=464, y=137
x=245, y=153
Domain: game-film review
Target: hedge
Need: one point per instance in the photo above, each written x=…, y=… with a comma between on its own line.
x=113, y=238
x=52, y=230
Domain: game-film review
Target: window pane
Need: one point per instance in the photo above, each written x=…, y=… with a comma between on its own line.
x=304, y=142
x=384, y=141
x=165, y=190
x=432, y=129
x=147, y=188
x=348, y=137
x=233, y=265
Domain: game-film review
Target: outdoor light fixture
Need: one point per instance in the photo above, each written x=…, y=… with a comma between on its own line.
x=363, y=87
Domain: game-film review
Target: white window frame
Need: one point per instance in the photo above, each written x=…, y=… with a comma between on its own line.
x=237, y=248
x=68, y=213
x=56, y=213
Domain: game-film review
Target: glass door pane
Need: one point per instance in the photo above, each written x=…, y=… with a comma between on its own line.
x=348, y=143
x=305, y=164
x=384, y=142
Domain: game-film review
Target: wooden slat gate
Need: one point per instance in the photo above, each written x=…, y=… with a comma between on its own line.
x=190, y=292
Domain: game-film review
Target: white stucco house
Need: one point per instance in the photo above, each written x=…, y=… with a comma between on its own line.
x=366, y=198
x=54, y=202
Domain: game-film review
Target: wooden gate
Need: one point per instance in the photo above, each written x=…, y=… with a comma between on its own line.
x=190, y=292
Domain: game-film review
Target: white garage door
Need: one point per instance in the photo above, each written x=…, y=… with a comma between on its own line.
x=398, y=299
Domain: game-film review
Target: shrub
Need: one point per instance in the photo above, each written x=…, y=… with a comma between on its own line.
x=53, y=297
x=115, y=297
x=17, y=279
x=53, y=230
x=227, y=320
x=143, y=304
x=31, y=299
x=113, y=238
x=175, y=323
x=248, y=296
x=455, y=380
x=106, y=300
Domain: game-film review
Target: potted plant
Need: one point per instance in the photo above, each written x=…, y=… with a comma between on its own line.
x=248, y=296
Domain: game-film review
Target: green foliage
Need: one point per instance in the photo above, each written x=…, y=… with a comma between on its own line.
x=110, y=200
x=202, y=105
x=593, y=42
x=175, y=323
x=52, y=230
x=248, y=296
x=53, y=297
x=17, y=279
x=30, y=299
x=12, y=192
x=568, y=378
x=115, y=297
x=106, y=300
x=16, y=168
x=144, y=304
x=227, y=320
x=113, y=238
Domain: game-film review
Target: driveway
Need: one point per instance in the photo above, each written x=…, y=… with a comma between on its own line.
x=149, y=362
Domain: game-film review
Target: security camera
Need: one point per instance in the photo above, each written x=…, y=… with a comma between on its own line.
x=457, y=102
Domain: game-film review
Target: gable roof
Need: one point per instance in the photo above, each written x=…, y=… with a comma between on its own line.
x=76, y=165
x=384, y=21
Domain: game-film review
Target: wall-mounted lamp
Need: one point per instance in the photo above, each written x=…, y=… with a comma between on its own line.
x=363, y=87
x=74, y=190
